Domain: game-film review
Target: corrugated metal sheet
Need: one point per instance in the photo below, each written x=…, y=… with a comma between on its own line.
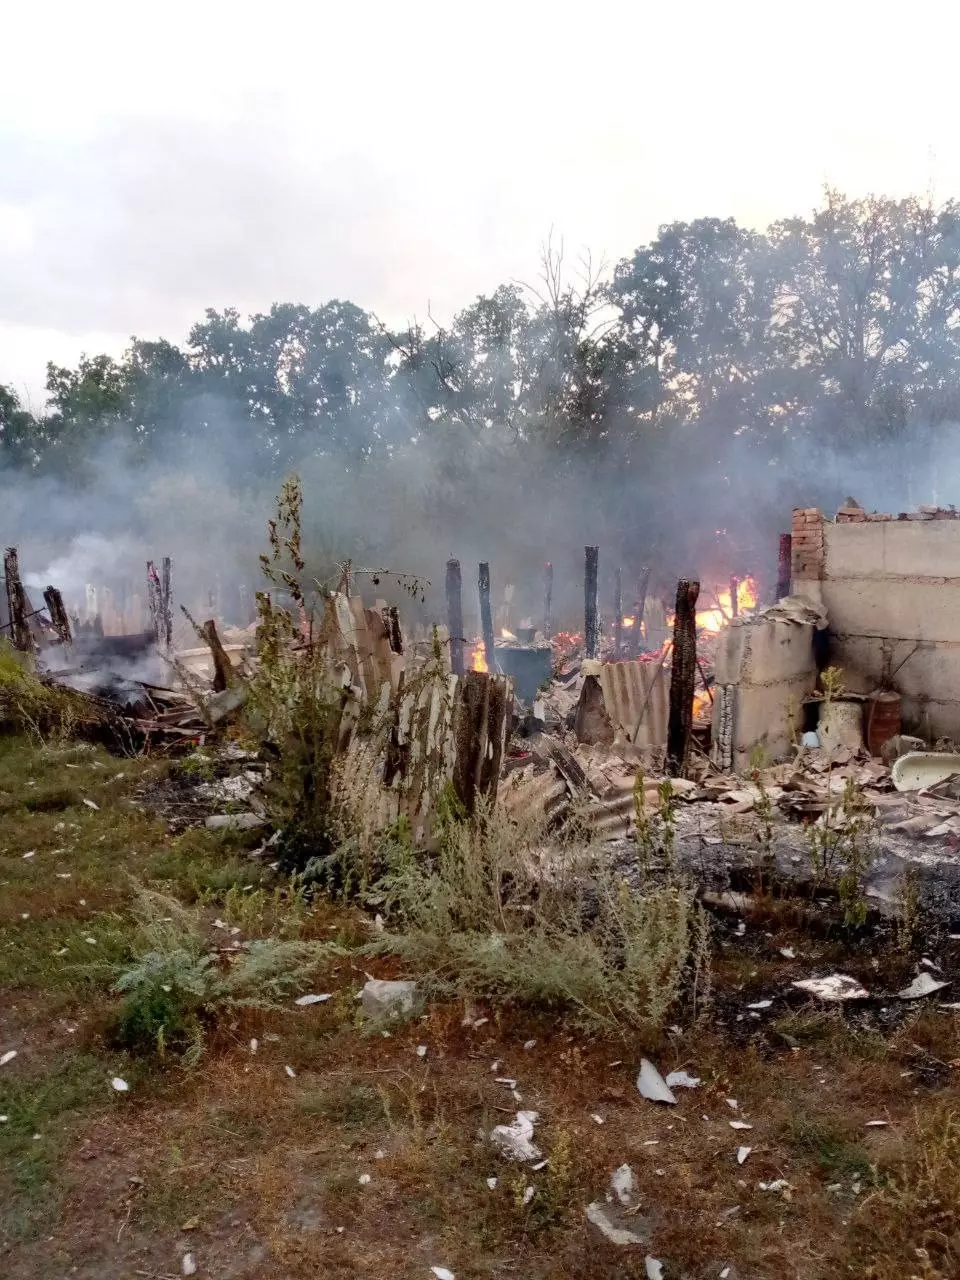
x=636, y=696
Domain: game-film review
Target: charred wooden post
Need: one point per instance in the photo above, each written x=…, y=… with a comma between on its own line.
x=591, y=601
x=486, y=615
x=223, y=669
x=548, y=600
x=58, y=614
x=639, y=610
x=784, y=565
x=479, y=722
x=16, y=602
x=393, y=626
x=454, y=587
x=683, y=676
x=734, y=597
x=167, y=603
x=618, y=614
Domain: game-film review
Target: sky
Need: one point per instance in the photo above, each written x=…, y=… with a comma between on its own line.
x=156, y=160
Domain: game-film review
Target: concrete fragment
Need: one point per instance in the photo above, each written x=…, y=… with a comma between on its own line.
x=384, y=999
x=233, y=822
x=606, y=1220
x=682, y=1080
x=836, y=986
x=922, y=985
x=623, y=1185
x=515, y=1140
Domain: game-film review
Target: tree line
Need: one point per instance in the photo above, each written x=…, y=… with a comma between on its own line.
x=713, y=353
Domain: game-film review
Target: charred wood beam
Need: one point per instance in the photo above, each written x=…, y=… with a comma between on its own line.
x=784, y=565
x=223, y=675
x=734, y=596
x=683, y=677
x=58, y=614
x=16, y=602
x=618, y=614
x=486, y=615
x=454, y=591
x=548, y=600
x=166, y=602
x=393, y=626
x=591, y=601
x=639, y=609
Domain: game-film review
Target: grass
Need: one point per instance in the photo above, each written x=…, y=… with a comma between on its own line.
x=258, y=1172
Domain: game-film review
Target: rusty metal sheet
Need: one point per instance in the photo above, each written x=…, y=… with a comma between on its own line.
x=636, y=696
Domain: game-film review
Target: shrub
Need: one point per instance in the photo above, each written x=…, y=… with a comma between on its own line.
x=178, y=987
x=497, y=913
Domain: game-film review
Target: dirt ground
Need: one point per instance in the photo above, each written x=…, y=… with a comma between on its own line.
x=304, y=1144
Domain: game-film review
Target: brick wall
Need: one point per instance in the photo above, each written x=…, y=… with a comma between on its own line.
x=807, y=549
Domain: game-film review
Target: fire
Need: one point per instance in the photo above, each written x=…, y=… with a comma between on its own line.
x=478, y=658
x=506, y=635
x=628, y=622
x=702, y=706
x=717, y=617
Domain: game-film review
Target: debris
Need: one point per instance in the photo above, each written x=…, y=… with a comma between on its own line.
x=528, y=1044
x=652, y=1084
x=788, y=953
x=421, y=1050
x=742, y=1153
x=877, y=1124
x=384, y=999
x=528, y=1194
x=653, y=1268
x=682, y=1080
x=918, y=770
x=254, y=1045
x=922, y=985
x=622, y=1184
x=780, y=1184
x=7, y=1057
x=492, y=1183
x=443, y=1273
x=188, y=1264
x=119, y=1084
x=290, y=1072
x=602, y=1218
x=760, y=1004
x=365, y=1179
x=233, y=822
x=597, y=1119
x=739, y=1124
x=303, y=1001
x=515, y=1141
x=91, y=804
x=836, y=986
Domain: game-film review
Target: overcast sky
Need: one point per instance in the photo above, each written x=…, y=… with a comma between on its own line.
x=157, y=159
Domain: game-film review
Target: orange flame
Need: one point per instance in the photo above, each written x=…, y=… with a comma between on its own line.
x=628, y=622
x=478, y=658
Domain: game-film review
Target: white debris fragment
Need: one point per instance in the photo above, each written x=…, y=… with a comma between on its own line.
x=382, y=999
x=7, y=1057
x=119, y=1084
x=31, y=854
x=421, y=1050
x=922, y=985
x=788, y=953
x=91, y=805
x=515, y=1140
x=742, y=1153
x=779, y=1185
x=652, y=1084
x=290, y=1072
x=599, y=1214
x=732, y=1103
x=254, y=1045
x=739, y=1124
x=597, y=1119
x=443, y=1273
x=653, y=1268
x=623, y=1185
x=528, y=1044
x=365, y=1179
x=492, y=1183
x=760, y=1004
x=877, y=1124
x=836, y=986
x=506, y=1080
x=188, y=1265
x=303, y=1001
x=682, y=1080
x=527, y=1194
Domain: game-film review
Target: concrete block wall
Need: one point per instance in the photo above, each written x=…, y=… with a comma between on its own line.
x=891, y=590
x=764, y=669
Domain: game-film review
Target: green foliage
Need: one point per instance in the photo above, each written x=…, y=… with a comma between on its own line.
x=493, y=914
x=842, y=844
x=178, y=986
